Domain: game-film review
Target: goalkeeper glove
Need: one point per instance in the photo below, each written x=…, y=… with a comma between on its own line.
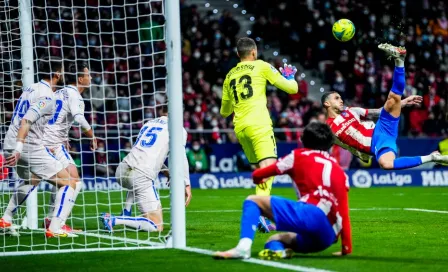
x=288, y=71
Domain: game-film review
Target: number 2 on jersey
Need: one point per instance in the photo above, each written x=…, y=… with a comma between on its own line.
x=151, y=136
x=56, y=114
x=244, y=95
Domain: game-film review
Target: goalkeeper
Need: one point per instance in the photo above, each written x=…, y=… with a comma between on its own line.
x=244, y=93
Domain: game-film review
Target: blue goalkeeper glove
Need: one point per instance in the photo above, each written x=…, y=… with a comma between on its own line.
x=288, y=71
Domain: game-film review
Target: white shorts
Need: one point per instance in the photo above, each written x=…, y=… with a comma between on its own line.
x=145, y=193
x=62, y=155
x=36, y=160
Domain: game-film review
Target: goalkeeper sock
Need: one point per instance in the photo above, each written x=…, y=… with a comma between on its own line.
x=63, y=206
x=408, y=162
x=265, y=188
x=138, y=223
x=21, y=194
x=249, y=221
x=399, y=82
x=127, y=211
x=274, y=245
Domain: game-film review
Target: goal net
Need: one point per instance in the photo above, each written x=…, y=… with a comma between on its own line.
x=123, y=43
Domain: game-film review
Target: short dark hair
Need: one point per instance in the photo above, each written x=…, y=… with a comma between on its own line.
x=317, y=136
x=74, y=71
x=162, y=109
x=48, y=66
x=325, y=97
x=244, y=46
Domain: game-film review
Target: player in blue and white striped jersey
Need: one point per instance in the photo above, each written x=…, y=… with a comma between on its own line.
x=69, y=109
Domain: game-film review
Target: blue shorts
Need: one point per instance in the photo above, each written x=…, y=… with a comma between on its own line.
x=314, y=232
x=385, y=135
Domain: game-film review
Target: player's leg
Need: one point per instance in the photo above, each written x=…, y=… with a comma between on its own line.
x=21, y=193
x=386, y=130
x=265, y=149
x=64, y=157
x=253, y=207
x=129, y=202
x=147, y=200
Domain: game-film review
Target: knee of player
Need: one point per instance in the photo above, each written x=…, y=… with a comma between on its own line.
x=386, y=164
x=275, y=237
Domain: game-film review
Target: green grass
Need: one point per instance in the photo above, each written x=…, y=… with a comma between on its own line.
x=383, y=240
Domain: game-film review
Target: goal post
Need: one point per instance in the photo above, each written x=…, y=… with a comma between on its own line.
x=133, y=50
x=175, y=121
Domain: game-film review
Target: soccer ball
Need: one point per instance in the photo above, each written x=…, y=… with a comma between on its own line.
x=343, y=30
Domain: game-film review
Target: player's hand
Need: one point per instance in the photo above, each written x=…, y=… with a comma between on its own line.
x=12, y=160
x=412, y=100
x=288, y=71
x=187, y=195
x=93, y=144
x=340, y=253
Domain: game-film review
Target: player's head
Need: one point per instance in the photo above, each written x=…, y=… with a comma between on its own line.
x=51, y=68
x=78, y=74
x=332, y=102
x=317, y=136
x=246, y=48
x=162, y=110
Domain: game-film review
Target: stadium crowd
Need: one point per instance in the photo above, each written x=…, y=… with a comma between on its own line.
x=125, y=49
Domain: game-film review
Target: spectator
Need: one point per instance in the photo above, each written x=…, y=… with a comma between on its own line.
x=197, y=158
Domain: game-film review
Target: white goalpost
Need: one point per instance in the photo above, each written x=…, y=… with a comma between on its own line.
x=133, y=50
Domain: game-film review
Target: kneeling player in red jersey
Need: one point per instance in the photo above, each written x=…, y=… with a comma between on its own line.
x=314, y=222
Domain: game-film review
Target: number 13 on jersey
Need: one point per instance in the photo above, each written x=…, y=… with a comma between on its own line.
x=246, y=80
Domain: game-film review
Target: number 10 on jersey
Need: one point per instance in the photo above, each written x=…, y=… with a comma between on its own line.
x=246, y=80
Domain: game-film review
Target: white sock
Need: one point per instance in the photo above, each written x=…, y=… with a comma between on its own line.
x=75, y=196
x=426, y=159
x=54, y=191
x=63, y=206
x=16, y=200
x=129, y=201
x=245, y=244
x=138, y=223
x=399, y=62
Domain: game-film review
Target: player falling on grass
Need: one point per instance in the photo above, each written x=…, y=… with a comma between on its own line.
x=244, y=93
x=314, y=222
x=25, y=151
x=138, y=173
x=365, y=140
x=69, y=109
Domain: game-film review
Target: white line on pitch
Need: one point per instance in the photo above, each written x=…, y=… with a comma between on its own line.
x=424, y=210
x=263, y=262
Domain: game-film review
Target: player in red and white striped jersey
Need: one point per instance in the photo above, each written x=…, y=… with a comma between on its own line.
x=314, y=222
x=365, y=139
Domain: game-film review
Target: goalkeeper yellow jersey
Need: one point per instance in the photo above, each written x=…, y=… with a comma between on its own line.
x=245, y=86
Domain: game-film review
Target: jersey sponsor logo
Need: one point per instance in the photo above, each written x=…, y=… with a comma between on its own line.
x=344, y=126
x=434, y=178
x=41, y=104
x=363, y=179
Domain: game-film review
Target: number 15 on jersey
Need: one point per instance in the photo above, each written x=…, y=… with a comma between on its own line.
x=148, y=136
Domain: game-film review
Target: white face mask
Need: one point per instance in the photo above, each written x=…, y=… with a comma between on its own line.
x=100, y=149
x=215, y=110
x=195, y=147
x=214, y=123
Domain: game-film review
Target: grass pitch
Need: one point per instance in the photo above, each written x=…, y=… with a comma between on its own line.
x=387, y=236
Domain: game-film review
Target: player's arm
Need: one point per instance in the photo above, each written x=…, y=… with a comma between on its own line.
x=278, y=168
x=188, y=194
x=340, y=190
x=226, y=101
x=366, y=114
x=76, y=106
x=42, y=107
x=284, y=81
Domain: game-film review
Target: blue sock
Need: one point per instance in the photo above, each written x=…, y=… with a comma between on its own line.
x=274, y=245
x=399, y=82
x=407, y=162
x=249, y=219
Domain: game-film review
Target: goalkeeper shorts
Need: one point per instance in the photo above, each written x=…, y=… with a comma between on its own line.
x=258, y=143
x=37, y=160
x=145, y=193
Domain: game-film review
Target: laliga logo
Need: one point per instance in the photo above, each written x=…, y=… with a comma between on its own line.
x=208, y=181
x=362, y=179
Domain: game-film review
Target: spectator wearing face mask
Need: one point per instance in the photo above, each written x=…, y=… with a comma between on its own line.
x=197, y=158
